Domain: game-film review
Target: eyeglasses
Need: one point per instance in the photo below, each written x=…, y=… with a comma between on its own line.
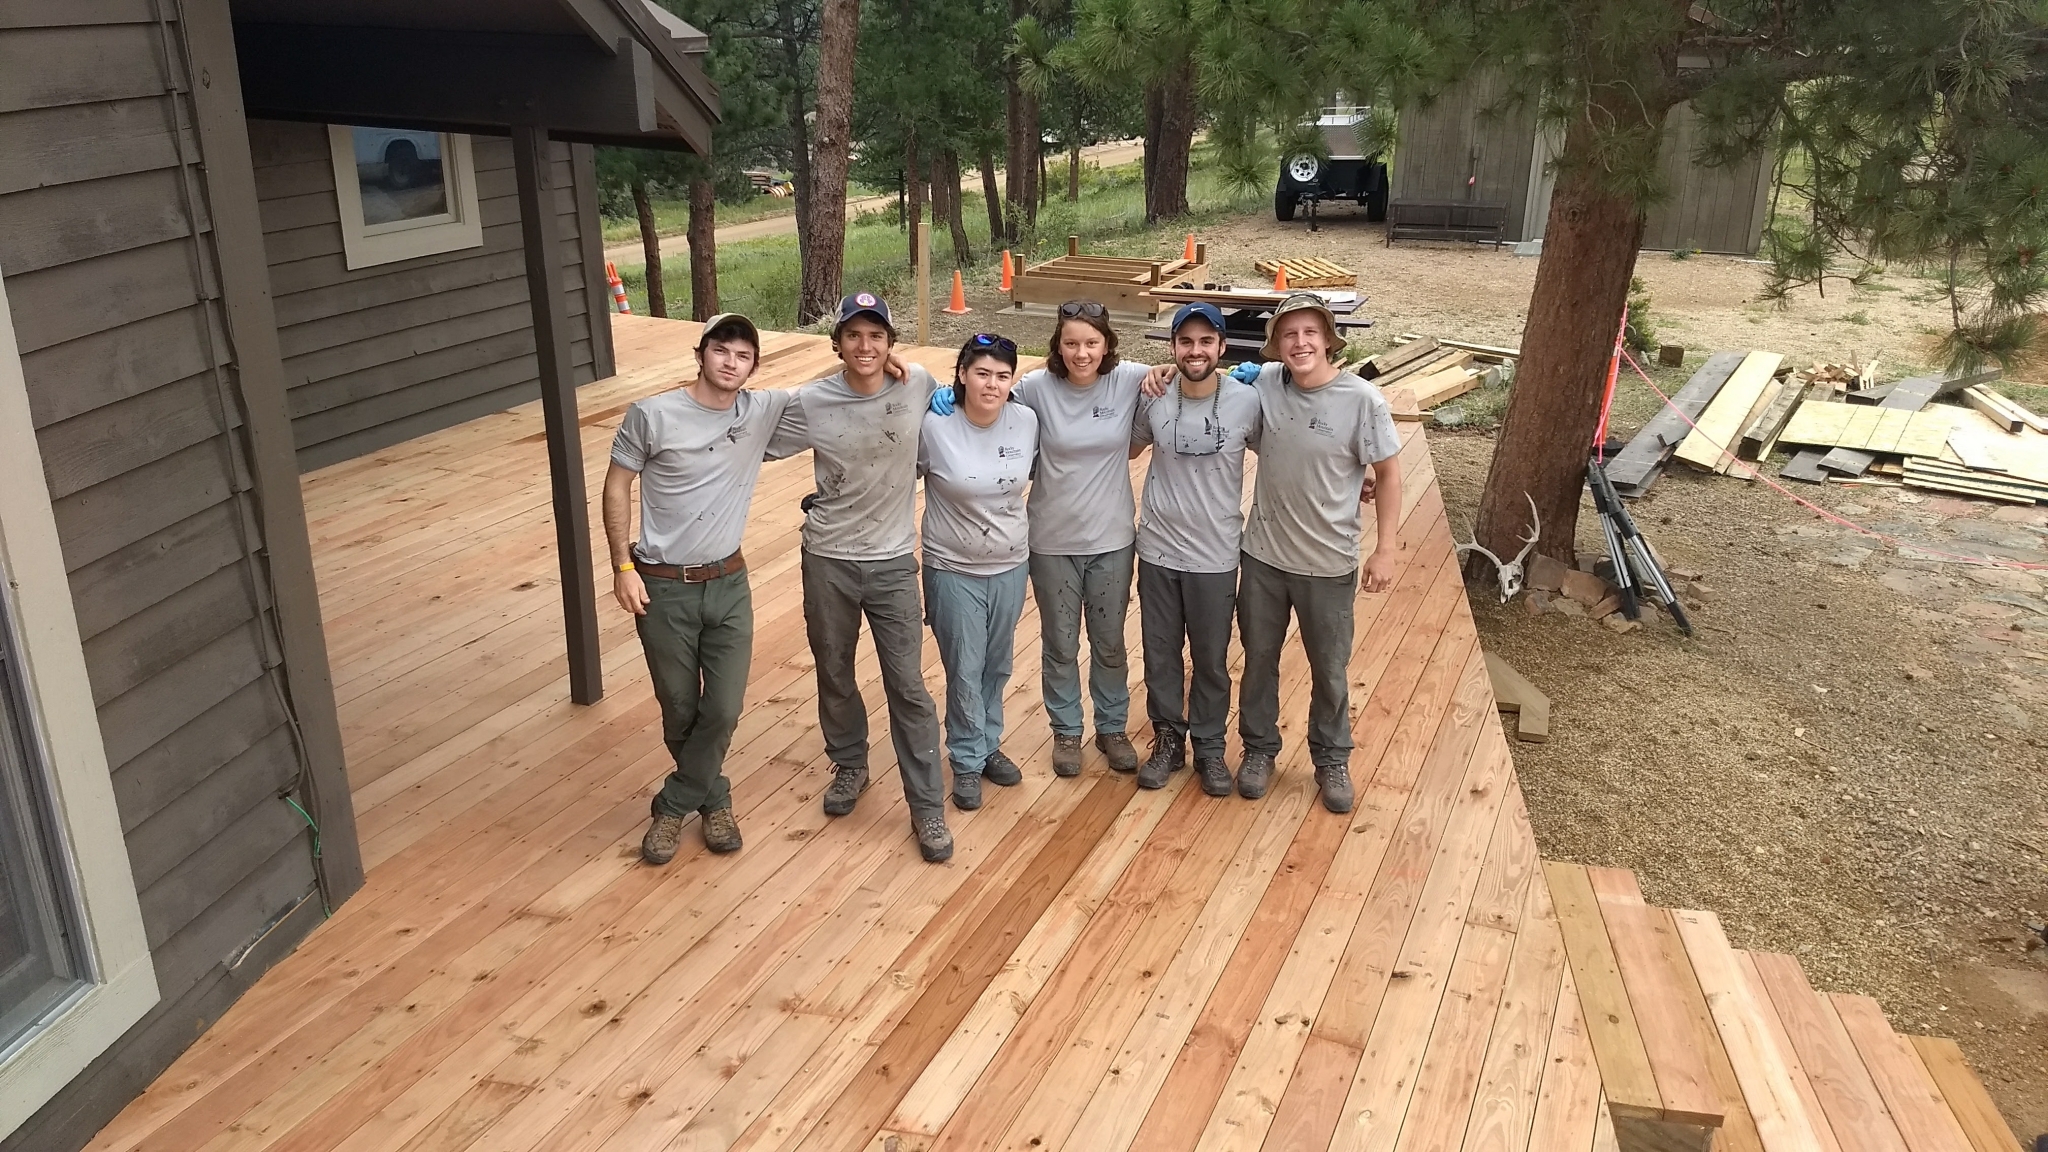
x=991, y=340
x=1087, y=308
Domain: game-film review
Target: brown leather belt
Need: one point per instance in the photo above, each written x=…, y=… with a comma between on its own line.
x=694, y=573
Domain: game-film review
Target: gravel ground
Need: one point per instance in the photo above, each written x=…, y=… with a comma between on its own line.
x=1850, y=762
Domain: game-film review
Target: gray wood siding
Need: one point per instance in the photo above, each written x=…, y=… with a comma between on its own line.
x=1466, y=146
x=382, y=354
x=1713, y=209
x=112, y=282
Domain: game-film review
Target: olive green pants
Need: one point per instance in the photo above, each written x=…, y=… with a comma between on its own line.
x=699, y=640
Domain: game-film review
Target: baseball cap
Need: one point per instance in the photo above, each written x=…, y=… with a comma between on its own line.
x=1298, y=302
x=733, y=324
x=864, y=304
x=1200, y=308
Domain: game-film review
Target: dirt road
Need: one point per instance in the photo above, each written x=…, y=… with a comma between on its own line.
x=630, y=254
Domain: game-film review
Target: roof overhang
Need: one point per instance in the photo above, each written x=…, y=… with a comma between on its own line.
x=596, y=71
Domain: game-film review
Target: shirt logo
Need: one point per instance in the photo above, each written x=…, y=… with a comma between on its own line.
x=1105, y=412
x=1008, y=452
x=735, y=432
x=894, y=407
x=1320, y=426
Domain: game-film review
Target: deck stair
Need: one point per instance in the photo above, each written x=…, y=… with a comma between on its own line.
x=1702, y=1045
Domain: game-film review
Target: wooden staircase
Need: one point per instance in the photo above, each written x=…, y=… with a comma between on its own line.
x=1702, y=1045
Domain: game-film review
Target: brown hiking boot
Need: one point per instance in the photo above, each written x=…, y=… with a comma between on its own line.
x=1169, y=752
x=1254, y=775
x=721, y=831
x=1215, y=774
x=1334, y=781
x=934, y=839
x=662, y=839
x=1066, y=755
x=1117, y=746
x=845, y=789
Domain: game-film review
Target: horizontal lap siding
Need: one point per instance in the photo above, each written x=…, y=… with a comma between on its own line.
x=116, y=316
x=378, y=355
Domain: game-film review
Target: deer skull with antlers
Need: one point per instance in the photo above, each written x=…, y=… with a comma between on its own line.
x=1511, y=571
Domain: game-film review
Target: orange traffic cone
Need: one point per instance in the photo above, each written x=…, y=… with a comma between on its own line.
x=1008, y=283
x=1188, y=253
x=959, y=305
x=1280, y=278
x=619, y=301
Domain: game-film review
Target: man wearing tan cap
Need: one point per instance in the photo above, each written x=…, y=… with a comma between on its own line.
x=1324, y=434
x=696, y=452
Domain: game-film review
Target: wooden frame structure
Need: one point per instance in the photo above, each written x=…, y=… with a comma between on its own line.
x=1119, y=283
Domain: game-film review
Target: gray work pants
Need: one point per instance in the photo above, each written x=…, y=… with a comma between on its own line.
x=837, y=593
x=1191, y=610
x=699, y=641
x=1070, y=589
x=1323, y=605
x=974, y=619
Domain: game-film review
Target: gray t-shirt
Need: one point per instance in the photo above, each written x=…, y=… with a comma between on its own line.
x=974, y=478
x=864, y=451
x=1081, y=503
x=697, y=469
x=1315, y=448
x=1192, y=515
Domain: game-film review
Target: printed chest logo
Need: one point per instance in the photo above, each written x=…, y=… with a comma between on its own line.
x=1106, y=412
x=1009, y=452
x=895, y=408
x=1320, y=426
x=735, y=432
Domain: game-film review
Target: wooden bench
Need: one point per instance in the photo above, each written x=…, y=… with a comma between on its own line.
x=1477, y=221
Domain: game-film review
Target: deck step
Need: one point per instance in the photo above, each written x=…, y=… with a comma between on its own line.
x=1965, y=1095
x=1847, y=1094
x=1924, y=1119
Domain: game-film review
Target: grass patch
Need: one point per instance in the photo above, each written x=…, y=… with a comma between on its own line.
x=672, y=217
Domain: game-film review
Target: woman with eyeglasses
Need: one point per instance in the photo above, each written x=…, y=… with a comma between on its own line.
x=975, y=462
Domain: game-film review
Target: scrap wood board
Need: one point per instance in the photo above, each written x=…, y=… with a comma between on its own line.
x=1715, y=430
x=1308, y=272
x=1637, y=465
x=1909, y=395
x=1976, y=440
x=1513, y=693
x=1936, y=474
x=1866, y=429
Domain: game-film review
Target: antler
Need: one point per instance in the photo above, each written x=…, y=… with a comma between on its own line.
x=1535, y=530
x=1510, y=572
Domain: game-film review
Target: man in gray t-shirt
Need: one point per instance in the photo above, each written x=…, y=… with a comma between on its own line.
x=860, y=559
x=1189, y=527
x=696, y=454
x=1323, y=431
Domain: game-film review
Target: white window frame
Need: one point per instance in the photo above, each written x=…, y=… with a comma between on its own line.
x=369, y=245
x=121, y=980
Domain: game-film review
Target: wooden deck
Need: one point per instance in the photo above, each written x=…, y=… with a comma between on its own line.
x=1098, y=968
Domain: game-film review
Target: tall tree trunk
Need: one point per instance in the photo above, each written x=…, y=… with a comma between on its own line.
x=1155, y=114
x=1074, y=156
x=1044, y=177
x=1589, y=252
x=1028, y=160
x=1169, y=195
x=991, y=200
x=789, y=29
x=703, y=248
x=937, y=171
x=650, y=245
x=831, y=141
x=1013, y=137
x=913, y=179
x=963, y=253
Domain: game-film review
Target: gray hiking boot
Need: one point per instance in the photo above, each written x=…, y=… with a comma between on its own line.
x=1215, y=774
x=1117, y=746
x=967, y=791
x=1254, y=775
x=934, y=840
x=1334, y=780
x=1066, y=755
x=662, y=839
x=1169, y=753
x=1001, y=771
x=845, y=789
x=721, y=831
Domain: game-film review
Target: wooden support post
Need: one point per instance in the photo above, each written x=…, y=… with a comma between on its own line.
x=924, y=282
x=1073, y=245
x=541, y=232
x=1202, y=252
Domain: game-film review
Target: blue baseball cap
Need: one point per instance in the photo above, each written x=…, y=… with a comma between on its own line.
x=1202, y=309
x=864, y=304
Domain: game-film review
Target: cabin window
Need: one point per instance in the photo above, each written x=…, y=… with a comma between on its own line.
x=403, y=193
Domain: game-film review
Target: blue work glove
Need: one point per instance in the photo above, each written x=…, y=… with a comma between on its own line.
x=1246, y=372
x=942, y=401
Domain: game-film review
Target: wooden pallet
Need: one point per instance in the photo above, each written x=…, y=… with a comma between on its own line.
x=1308, y=272
x=1119, y=283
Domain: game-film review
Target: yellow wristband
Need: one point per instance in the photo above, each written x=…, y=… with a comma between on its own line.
x=626, y=567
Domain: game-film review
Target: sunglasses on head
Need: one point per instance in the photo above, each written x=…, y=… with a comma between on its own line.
x=991, y=340
x=1088, y=308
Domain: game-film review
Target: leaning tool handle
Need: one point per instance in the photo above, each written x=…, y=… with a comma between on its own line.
x=1624, y=578
x=1605, y=498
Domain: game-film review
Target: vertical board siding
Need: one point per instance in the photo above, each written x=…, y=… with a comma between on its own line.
x=1710, y=208
x=378, y=355
x=117, y=316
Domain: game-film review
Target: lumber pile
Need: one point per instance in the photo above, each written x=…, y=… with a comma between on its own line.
x=1308, y=272
x=1121, y=284
x=1432, y=369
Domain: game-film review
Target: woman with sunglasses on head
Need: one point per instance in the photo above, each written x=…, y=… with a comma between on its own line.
x=975, y=462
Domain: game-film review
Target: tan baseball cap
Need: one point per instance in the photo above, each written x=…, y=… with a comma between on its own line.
x=730, y=320
x=1302, y=301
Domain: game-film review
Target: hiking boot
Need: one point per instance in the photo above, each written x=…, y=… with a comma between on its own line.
x=721, y=831
x=934, y=840
x=1117, y=746
x=662, y=839
x=1215, y=774
x=1066, y=755
x=967, y=791
x=1254, y=775
x=1169, y=753
x=1000, y=770
x=845, y=789
x=1335, y=782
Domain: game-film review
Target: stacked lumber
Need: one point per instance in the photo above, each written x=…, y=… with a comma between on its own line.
x=1433, y=370
x=1987, y=447
x=1308, y=272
